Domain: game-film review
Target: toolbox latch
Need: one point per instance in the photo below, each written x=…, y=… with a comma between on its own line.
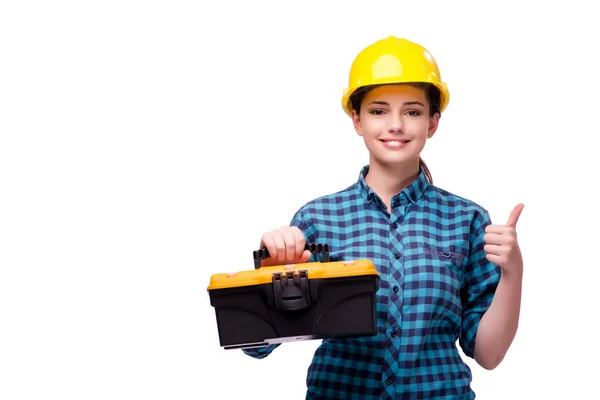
x=291, y=291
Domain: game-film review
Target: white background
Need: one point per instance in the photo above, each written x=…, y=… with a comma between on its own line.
x=147, y=145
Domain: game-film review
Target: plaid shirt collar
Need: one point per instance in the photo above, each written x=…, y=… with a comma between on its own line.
x=409, y=195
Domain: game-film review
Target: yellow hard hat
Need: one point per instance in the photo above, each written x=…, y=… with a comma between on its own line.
x=394, y=60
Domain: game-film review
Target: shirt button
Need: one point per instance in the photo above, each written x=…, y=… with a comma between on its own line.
x=395, y=225
x=388, y=382
x=393, y=333
x=396, y=256
x=396, y=288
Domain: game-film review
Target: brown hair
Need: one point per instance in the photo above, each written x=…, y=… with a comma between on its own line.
x=432, y=94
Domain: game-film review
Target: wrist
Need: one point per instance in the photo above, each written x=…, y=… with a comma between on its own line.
x=515, y=273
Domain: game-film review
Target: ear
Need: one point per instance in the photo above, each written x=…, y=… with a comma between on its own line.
x=433, y=125
x=356, y=123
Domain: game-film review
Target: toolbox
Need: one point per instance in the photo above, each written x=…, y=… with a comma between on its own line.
x=284, y=303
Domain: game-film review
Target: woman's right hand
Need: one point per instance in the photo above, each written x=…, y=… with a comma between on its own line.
x=285, y=246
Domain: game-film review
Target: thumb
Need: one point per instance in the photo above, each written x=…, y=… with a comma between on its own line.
x=514, y=216
x=305, y=256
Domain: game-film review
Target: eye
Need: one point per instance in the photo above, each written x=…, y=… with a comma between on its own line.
x=414, y=113
x=376, y=111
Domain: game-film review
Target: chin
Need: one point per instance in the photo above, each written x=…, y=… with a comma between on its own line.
x=394, y=161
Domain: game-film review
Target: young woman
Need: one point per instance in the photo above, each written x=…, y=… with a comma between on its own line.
x=447, y=274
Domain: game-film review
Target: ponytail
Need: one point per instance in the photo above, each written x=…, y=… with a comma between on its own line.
x=426, y=169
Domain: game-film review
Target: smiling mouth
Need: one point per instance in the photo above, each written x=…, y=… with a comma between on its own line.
x=394, y=143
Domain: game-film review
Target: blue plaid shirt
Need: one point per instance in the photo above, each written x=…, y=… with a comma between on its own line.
x=436, y=284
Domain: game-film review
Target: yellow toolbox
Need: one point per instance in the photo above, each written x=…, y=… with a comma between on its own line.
x=283, y=303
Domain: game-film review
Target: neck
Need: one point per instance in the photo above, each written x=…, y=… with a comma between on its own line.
x=387, y=181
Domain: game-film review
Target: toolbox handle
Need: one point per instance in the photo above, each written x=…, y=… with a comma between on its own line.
x=315, y=248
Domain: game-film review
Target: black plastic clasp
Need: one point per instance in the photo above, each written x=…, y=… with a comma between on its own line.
x=291, y=291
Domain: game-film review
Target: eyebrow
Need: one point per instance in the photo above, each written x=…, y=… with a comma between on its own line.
x=408, y=103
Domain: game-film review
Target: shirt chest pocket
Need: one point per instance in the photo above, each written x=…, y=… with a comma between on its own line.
x=435, y=275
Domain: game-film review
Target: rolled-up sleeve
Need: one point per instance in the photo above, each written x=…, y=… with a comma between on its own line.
x=260, y=352
x=480, y=282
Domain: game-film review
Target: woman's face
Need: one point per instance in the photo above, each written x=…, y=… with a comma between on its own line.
x=394, y=122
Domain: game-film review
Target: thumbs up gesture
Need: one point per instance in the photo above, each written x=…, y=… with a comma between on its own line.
x=501, y=245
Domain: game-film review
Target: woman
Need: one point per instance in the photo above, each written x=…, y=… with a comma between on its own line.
x=447, y=274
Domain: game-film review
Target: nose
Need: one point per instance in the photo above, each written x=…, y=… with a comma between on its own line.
x=395, y=123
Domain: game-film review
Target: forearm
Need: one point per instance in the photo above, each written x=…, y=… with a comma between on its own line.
x=498, y=325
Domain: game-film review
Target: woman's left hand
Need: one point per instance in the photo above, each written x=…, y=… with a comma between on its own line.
x=502, y=246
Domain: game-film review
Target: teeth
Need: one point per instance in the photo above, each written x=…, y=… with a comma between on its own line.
x=394, y=142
